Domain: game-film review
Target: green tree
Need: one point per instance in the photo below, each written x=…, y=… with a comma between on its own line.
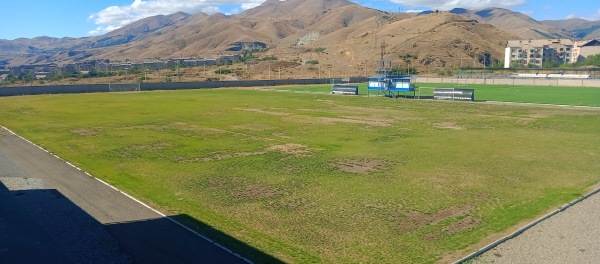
x=223, y=71
x=592, y=60
x=550, y=64
x=93, y=73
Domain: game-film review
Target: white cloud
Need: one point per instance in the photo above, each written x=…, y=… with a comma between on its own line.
x=114, y=17
x=595, y=17
x=570, y=16
x=469, y=4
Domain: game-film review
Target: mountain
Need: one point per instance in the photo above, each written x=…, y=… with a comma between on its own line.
x=515, y=23
x=580, y=28
x=343, y=32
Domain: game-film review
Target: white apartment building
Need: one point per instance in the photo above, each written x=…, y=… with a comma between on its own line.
x=536, y=52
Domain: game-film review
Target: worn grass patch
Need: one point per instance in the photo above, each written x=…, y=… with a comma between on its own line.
x=312, y=177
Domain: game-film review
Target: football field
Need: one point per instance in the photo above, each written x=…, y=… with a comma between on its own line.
x=313, y=177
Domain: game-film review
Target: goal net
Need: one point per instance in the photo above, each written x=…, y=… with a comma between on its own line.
x=123, y=87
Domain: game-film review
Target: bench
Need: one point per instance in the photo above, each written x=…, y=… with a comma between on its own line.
x=344, y=89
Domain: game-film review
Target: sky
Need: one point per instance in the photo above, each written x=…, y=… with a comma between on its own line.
x=84, y=18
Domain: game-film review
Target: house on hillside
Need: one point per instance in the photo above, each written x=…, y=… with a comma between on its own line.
x=536, y=52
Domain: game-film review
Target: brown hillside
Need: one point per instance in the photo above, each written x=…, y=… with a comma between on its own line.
x=518, y=24
x=350, y=34
x=433, y=41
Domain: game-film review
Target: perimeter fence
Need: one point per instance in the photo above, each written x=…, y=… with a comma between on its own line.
x=100, y=88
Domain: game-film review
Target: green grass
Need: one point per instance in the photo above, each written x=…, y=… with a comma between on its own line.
x=579, y=96
x=583, y=96
x=422, y=179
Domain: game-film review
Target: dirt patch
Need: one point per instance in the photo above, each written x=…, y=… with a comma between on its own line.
x=86, y=132
x=464, y=224
x=355, y=120
x=281, y=135
x=254, y=127
x=359, y=166
x=542, y=113
x=449, y=125
x=262, y=111
x=296, y=150
x=255, y=191
x=432, y=236
x=414, y=220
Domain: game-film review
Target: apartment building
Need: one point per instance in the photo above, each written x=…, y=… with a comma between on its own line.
x=536, y=52
x=583, y=49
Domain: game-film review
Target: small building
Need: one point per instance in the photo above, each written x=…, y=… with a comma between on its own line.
x=41, y=75
x=390, y=85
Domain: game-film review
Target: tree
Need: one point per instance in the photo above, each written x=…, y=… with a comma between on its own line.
x=550, y=64
x=403, y=71
x=93, y=73
x=592, y=60
x=223, y=71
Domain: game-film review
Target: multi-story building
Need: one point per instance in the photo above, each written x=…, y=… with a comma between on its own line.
x=583, y=49
x=536, y=52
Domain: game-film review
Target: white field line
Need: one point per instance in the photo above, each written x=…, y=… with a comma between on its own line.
x=538, y=104
x=133, y=198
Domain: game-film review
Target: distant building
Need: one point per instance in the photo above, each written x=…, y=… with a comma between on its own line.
x=41, y=75
x=536, y=52
x=583, y=49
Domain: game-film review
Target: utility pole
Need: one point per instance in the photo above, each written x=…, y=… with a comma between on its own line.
x=178, y=76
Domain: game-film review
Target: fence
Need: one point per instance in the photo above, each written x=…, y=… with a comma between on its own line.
x=99, y=88
x=514, y=81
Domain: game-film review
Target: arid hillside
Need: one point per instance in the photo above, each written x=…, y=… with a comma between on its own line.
x=315, y=34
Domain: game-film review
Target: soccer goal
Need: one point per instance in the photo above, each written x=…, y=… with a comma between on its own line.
x=123, y=87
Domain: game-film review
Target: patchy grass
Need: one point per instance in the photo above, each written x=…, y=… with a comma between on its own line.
x=309, y=177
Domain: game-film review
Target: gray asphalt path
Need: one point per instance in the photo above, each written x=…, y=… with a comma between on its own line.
x=36, y=178
x=571, y=236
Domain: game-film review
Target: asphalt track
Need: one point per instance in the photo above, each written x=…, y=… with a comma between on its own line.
x=94, y=216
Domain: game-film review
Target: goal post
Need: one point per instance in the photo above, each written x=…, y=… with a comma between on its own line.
x=123, y=87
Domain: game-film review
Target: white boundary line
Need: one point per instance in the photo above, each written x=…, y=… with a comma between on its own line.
x=133, y=198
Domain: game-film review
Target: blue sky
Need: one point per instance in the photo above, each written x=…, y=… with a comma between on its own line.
x=80, y=18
